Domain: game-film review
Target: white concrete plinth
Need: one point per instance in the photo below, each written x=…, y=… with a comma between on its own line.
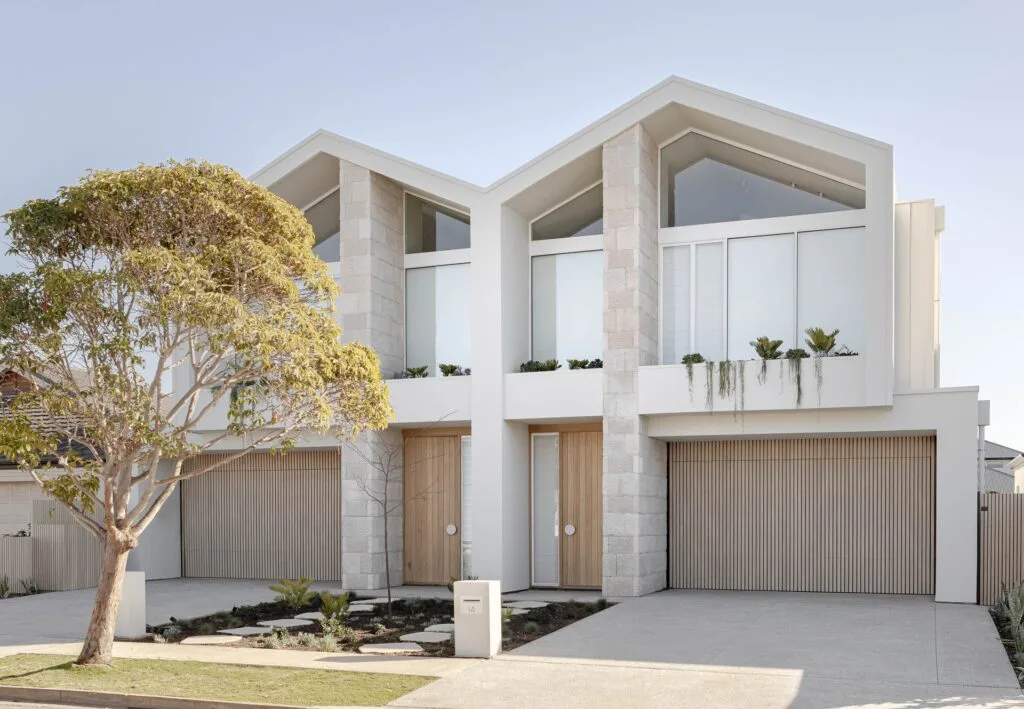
x=477, y=618
x=131, y=615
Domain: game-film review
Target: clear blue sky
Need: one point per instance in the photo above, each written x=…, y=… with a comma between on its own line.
x=476, y=88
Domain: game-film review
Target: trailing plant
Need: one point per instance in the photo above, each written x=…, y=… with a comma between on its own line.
x=294, y=594
x=451, y=370
x=596, y=364
x=578, y=363
x=29, y=587
x=416, y=372
x=548, y=365
x=690, y=360
x=821, y=343
x=766, y=348
x=794, y=355
x=844, y=351
x=726, y=384
x=742, y=376
x=709, y=401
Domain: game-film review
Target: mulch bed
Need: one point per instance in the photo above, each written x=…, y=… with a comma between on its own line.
x=407, y=616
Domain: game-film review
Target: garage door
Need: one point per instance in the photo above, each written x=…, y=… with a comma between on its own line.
x=853, y=515
x=264, y=517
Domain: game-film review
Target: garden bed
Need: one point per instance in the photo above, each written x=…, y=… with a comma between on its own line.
x=407, y=616
x=1010, y=644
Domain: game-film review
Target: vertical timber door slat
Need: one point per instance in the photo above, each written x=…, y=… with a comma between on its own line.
x=432, y=500
x=849, y=515
x=580, y=472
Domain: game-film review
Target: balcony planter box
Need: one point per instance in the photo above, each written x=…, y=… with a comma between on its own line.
x=561, y=394
x=666, y=389
x=430, y=400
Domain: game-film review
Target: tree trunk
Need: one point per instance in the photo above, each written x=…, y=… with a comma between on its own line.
x=99, y=640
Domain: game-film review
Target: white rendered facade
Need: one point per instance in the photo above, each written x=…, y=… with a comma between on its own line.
x=645, y=285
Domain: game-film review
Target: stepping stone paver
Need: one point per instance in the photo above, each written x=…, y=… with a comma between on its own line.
x=441, y=628
x=211, y=640
x=360, y=609
x=247, y=631
x=312, y=615
x=519, y=611
x=525, y=604
x=373, y=601
x=285, y=623
x=425, y=637
x=389, y=648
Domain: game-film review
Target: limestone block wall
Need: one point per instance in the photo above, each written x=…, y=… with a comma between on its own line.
x=635, y=478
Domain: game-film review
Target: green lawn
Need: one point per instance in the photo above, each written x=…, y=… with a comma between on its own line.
x=207, y=680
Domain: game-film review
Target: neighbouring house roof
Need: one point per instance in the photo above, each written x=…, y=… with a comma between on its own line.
x=995, y=451
x=998, y=479
x=11, y=385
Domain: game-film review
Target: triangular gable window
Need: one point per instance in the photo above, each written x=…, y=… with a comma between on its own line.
x=706, y=181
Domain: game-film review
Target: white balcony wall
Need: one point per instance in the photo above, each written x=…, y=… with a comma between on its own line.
x=566, y=308
x=438, y=310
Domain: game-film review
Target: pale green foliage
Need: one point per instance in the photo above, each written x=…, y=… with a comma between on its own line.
x=132, y=275
x=821, y=343
x=326, y=644
x=335, y=610
x=294, y=593
x=767, y=348
x=1010, y=609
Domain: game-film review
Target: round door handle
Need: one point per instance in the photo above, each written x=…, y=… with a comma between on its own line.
x=570, y=529
x=450, y=530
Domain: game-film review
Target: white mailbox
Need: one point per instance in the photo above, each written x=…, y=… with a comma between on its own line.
x=477, y=618
x=131, y=616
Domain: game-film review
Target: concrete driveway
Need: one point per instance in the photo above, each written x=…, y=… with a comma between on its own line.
x=731, y=649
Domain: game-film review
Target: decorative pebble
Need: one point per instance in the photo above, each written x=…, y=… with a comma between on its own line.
x=389, y=648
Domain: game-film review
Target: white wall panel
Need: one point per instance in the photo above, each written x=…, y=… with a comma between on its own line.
x=832, y=276
x=762, y=292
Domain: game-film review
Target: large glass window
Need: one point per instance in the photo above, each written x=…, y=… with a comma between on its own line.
x=580, y=216
x=438, y=305
x=568, y=295
x=698, y=329
x=431, y=227
x=704, y=181
x=832, y=282
x=762, y=292
x=325, y=217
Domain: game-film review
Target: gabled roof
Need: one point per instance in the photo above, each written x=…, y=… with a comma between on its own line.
x=656, y=108
x=995, y=451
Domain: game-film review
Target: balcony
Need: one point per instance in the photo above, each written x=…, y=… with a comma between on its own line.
x=420, y=402
x=785, y=386
x=551, y=396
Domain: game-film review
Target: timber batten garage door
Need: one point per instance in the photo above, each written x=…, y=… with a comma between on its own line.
x=846, y=515
x=263, y=516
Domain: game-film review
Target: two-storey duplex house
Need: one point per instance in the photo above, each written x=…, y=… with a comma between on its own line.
x=688, y=221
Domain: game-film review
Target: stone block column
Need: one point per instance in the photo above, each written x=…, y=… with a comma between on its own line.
x=370, y=310
x=635, y=470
